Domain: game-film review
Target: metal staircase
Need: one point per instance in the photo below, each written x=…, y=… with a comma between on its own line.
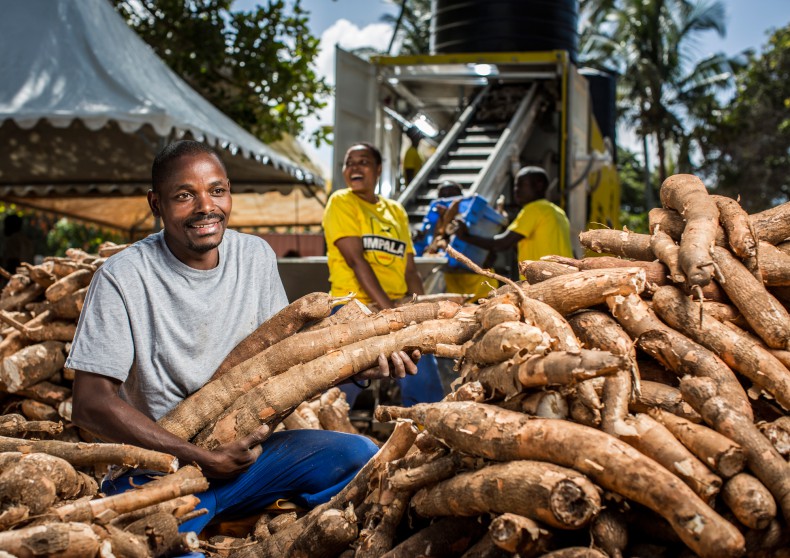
x=477, y=151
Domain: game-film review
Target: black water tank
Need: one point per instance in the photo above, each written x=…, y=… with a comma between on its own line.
x=504, y=26
x=603, y=92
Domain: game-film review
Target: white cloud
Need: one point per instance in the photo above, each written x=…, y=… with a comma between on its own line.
x=349, y=37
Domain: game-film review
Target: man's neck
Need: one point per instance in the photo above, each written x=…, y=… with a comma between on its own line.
x=202, y=261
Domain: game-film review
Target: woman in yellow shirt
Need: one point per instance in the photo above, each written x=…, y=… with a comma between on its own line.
x=370, y=253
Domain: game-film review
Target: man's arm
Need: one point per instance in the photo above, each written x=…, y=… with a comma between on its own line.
x=351, y=249
x=500, y=242
x=97, y=408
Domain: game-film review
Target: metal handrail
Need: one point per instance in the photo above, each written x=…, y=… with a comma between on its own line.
x=443, y=148
x=488, y=183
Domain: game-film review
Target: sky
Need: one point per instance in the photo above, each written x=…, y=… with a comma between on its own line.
x=357, y=23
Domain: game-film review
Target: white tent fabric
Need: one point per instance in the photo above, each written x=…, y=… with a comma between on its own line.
x=85, y=104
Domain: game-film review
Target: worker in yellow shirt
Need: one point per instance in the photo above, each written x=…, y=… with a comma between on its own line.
x=541, y=228
x=412, y=160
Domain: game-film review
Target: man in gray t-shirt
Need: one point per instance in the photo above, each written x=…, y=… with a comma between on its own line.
x=161, y=316
x=173, y=324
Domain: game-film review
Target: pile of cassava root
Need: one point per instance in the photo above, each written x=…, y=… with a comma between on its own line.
x=49, y=501
x=625, y=405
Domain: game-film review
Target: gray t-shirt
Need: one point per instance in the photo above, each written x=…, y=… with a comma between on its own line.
x=162, y=328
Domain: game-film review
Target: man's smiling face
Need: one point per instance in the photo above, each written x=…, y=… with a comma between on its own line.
x=194, y=204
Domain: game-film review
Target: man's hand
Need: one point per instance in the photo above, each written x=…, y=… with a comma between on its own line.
x=98, y=408
x=398, y=365
x=458, y=228
x=231, y=459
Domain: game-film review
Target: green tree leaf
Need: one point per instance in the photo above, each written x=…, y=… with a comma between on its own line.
x=257, y=67
x=650, y=44
x=747, y=140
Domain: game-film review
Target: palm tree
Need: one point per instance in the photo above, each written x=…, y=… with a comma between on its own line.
x=412, y=25
x=650, y=44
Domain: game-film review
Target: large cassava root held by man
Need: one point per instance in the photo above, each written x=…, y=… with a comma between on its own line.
x=279, y=394
x=510, y=435
x=286, y=322
x=205, y=405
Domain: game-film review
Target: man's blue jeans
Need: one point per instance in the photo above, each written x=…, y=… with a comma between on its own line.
x=424, y=387
x=307, y=467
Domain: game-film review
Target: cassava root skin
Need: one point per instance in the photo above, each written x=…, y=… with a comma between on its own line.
x=624, y=244
x=737, y=351
x=749, y=500
x=766, y=315
x=718, y=452
x=64, y=540
x=550, y=494
x=187, y=480
x=675, y=351
x=86, y=455
x=511, y=435
x=597, y=330
x=762, y=458
x=576, y=291
x=453, y=534
x=515, y=533
x=687, y=195
x=286, y=322
x=655, y=441
x=557, y=368
x=32, y=364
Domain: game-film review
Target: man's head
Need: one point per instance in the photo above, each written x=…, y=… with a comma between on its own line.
x=191, y=193
x=529, y=185
x=449, y=189
x=168, y=157
x=414, y=136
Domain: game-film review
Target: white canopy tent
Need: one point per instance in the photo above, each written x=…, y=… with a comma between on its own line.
x=85, y=105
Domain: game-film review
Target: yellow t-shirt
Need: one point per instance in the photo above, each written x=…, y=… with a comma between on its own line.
x=545, y=229
x=412, y=160
x=386, y=241
x=469, y=283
